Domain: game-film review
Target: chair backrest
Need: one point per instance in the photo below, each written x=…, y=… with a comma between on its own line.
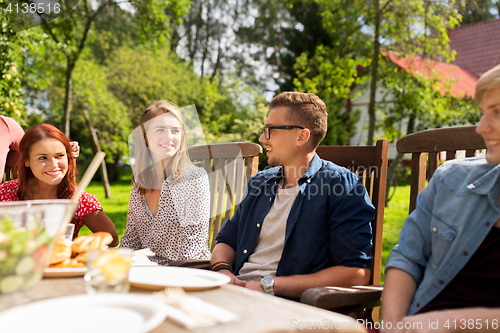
x=432, y=142
x=10, y=162
x=229, y=167
x=370, y=164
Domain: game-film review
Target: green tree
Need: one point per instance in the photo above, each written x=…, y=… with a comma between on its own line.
x=103, y=118
x=113, y=29
x=70, y=32
x=331, y=76
x=11, y=42
x=412, y=27
x=419, y=105
x=218, y=38
x=477, y=10
x=141, y=76
x=307, y=56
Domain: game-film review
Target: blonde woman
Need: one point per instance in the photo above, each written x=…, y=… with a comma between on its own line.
x=170, y=197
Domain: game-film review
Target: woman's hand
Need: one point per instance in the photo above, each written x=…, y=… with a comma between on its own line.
x=99, y=221
x=75, y=149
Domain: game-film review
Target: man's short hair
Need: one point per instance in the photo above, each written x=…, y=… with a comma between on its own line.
x=307, y=110
x=487, y=81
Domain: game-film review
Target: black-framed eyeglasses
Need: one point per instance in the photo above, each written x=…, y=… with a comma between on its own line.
x=267, y=129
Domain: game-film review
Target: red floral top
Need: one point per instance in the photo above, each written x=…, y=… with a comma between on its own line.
x=88, y=202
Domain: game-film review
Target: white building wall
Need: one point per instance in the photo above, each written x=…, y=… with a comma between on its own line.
x=360, y=103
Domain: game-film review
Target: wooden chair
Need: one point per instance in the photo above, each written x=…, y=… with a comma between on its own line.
x=370, y=164
x=10, y=162
x=432, y=142
x=229, y=167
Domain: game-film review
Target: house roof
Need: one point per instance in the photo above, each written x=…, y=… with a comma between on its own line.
x=477, y=46
x=462, y=83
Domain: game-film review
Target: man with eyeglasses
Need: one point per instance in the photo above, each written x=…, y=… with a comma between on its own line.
x=303, y=223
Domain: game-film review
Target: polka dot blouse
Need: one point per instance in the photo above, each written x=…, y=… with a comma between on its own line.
x=179, y=230
x=87, y=204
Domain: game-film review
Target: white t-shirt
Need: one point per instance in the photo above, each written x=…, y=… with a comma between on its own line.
x=269, y=247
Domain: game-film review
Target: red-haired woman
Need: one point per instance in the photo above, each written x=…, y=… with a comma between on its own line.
x=47, y=170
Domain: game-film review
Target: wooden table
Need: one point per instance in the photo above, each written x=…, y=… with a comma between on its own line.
x=258, y=312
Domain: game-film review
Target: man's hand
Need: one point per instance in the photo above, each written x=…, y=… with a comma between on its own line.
x=254, y=285
x=234, y=279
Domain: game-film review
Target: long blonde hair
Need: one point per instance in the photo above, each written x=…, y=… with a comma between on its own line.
x=145, y=180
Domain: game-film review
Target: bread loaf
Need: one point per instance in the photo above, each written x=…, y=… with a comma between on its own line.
x=68, y=263
x=81, y=257
x=61, y=252
x=95, y=241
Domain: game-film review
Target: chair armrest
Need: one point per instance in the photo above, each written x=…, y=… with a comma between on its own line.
x=339, y=297
x=192, y=263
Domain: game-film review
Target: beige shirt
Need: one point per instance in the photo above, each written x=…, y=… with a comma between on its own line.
x=269, y=247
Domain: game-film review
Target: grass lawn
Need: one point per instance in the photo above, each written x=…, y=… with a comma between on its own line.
x=394, y=216
x=117, y=207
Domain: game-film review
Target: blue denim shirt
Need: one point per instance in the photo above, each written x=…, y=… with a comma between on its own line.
x=454, y=214
x=328, y=225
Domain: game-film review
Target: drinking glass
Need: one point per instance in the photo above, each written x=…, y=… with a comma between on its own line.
x=108, y=270
x=68, y=235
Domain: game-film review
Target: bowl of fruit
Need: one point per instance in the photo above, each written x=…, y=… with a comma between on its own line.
x=28, y=230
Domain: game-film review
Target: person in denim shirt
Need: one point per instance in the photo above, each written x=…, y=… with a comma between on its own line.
x=445, y=269
x=304, y=223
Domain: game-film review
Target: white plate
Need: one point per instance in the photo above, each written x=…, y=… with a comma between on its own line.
x=86, y=313
x=64, y=272
x=156, y=278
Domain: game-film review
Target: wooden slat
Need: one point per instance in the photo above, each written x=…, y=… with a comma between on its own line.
x=348, y=155
x=417, y=184
x=470, y=153
x=240, y=182
x=224, y=150
x=214, y=181
x=451, y=155
x=230, y=180
x=441, y=139
x=369, y=183
x=378, y=200
x=207, y=165
x=433, y=162
x=252, y=167
x=221, y=192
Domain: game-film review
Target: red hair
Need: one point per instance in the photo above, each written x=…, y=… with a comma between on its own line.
x=39, y=132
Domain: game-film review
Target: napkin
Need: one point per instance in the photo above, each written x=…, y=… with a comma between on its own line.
x=140, y=261
x=192, y=312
